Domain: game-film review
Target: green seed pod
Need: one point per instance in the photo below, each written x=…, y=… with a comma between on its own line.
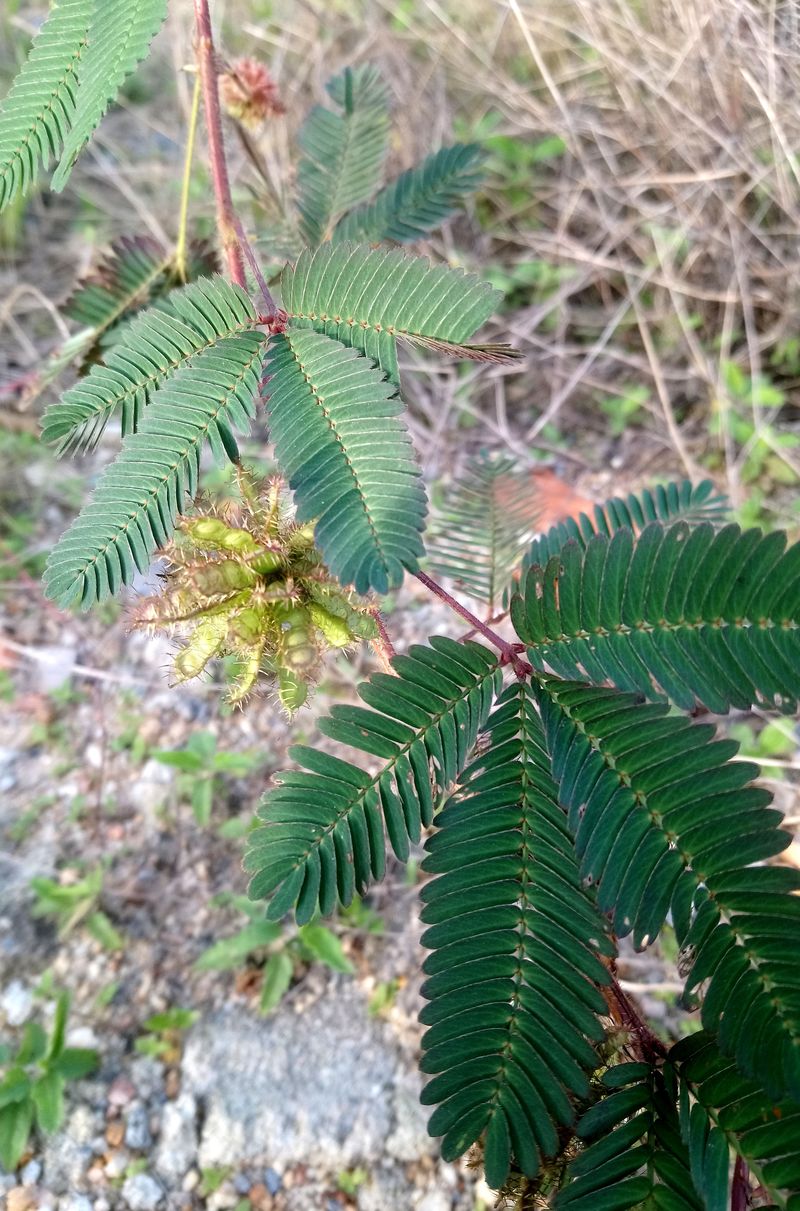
x=222, y=576
x=250, y=625
x=292, y=690
x=212, y=533
x=335, y=630
x=247, y=675
x=266, y=562
x=205, y=642
x=362, y=625
x=296, y=645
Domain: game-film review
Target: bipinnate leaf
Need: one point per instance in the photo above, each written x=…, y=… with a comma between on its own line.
x=664, y=822
x=38, y=112
x=139, y=497
x=419, y=200
x=120, y=33
x=515, y=969
x=322, y=827
x=370, y=299
x=668, y=503
x=479, y=534
x=151, y=348
x=342, y=152
x=347, y=456
x=691, y=613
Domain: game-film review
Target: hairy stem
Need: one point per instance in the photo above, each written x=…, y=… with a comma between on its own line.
x=651, y=1046
x=510, y=652
x=183, y=220
x=382, y=645
x=226, y=217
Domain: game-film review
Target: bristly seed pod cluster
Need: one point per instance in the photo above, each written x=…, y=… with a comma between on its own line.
x=245, y=580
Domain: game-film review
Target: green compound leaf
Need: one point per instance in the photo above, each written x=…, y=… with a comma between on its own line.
x=343, y=153
x=322, y=834
x=347, y=456
x=478, y=536
x=39, y=110
x=513, y=994
x=716, y=1100
x=679, y=501
x=370, y=299
x=701, y=615
x=120, y=34
x=417, y=201
x=664, y=821
x=639, y=1159
x=139, y=497
x=136, y=271
x=151, y=348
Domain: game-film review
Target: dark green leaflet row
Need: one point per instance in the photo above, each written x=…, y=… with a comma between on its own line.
x=664, y=822
x=512, y=980
x=322, y=834
x=703, y=615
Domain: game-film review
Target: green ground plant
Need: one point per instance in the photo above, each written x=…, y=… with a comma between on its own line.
x=33, y=1079
x=76, y=904
x=277, y=952
x=568, y=791
x=163, y=1033
x=201, y=766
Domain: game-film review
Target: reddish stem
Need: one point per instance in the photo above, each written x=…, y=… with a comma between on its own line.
x=226, y=217
x=650, y=1044
x=382, y=646
x=740, y=1186
x=510, y=652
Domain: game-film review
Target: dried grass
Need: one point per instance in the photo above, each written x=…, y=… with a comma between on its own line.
x=676, y=204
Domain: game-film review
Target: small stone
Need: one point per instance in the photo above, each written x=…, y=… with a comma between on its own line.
x=121, y=1092
x=93, y=754
x=82, y=1125
x=260, y=1197
x=142, y=1192
x=223, y=1198
x=20, y=1198
x=272, y=1180
x=82, y=1036
x=31, y=1173
x=177, y=1143
x=242, y=1182
x=147, y=1074
x=102, y=1204
x=137, y=1128
x=74, y=1202
x=435, y=1200
x=96, y=1176
x=116, y=1164
x=16, y=1003
x=191, y=1181
x=115, y=1134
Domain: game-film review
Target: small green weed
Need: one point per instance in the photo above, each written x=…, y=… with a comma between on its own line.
x=163, y=1037
x=73, y=904
x=201, y=765
x=33, y=1082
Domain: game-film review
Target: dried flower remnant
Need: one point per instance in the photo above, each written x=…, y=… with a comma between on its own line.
x=245, y=581
x=249, y=94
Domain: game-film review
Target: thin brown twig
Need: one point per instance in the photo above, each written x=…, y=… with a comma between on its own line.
x=226, y=216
